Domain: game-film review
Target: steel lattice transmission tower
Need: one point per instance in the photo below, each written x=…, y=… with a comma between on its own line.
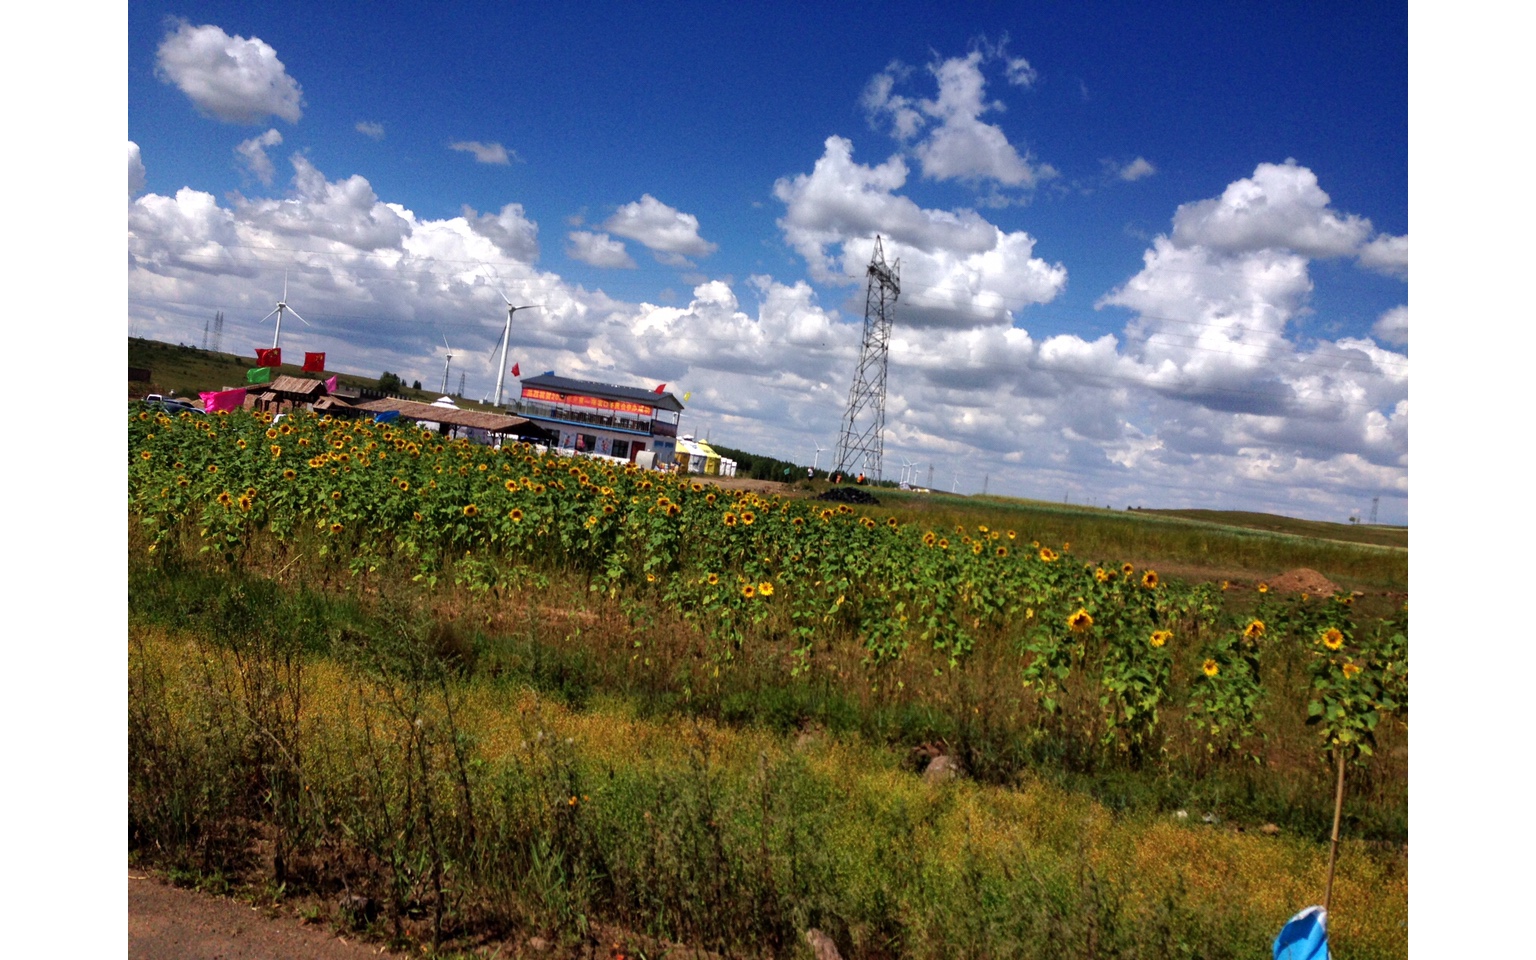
x=862, y=441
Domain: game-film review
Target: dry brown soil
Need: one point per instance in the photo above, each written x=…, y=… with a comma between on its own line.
x=169, y=923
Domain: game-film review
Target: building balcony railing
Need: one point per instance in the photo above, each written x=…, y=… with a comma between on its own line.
x=525, y=409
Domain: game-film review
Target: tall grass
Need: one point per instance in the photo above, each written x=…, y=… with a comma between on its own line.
x=469, y=781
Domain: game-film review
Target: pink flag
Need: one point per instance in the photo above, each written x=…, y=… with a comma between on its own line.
x=330, y=385
x=213, y=402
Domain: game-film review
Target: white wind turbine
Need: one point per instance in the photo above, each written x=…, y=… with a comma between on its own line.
x=506, y=335
x=282, y=307
x=817, y=459
x=446, y=363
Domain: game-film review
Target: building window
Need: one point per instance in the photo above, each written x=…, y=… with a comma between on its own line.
x=621, y=448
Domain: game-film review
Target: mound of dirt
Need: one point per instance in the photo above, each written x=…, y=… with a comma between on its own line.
x=849, y=495
x=1303, y=580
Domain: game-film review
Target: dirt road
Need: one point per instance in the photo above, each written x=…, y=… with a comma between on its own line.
x=169, y=923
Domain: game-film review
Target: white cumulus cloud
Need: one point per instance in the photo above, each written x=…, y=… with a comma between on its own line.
x=957, y=269
x=1280, y=207
x=370, y=129
x=493, y=153
x=599, y=250
x=234, y=79
x=252, y=154
x=671, y=235
x=959, y=145
x=1136, y=170
x=1386, y=254
x=1392, y=327
x=135, y=171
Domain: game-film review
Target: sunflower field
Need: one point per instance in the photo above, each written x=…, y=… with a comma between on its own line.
x=1017, y=655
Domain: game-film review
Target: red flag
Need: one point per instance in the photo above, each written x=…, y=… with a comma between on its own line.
x=516, y=370
x=269, y=358
x=314, y=362
x=661, y=388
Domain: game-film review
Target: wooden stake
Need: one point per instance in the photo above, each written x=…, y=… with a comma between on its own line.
x=1333, y=850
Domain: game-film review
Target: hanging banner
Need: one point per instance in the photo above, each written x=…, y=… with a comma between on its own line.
x=330, y=385
x=576, y=400
x=258, y=375
x=269, y=358
x=216, y=401
x=314, y=362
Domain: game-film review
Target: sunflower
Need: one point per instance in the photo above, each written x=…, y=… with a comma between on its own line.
x=277, y=451
x=748, y=591
x=943, y=543
x=1011, y=535
x=1002, y=551
x=650, y=578
x=1149, y=579
x=1100, y=574
x=146, y=455
x=1263, y=588
x=1351, y=670
x=1332, y=638
x=981, y=528
x=289, y=474
x=1161, y=637
x=335, y=494
x=696, y=487
x=1047, y=554
x=240, y=444
x=713, y=579
x=826, y=515
x=1211, y=667
x=511, y=486
x=405, y=486
x=673, y=509
x=246, y=502
x=1080, y=621
x=892, y=522
x=1126, y=569
x=1254, y=630
x=336, y=528
x=709, y=498
x=729, y=519
x=929, y=539
x=515, y=515
x=271, y=434
x=471, y=510
x=213, y=468
x=747, y=517
x=798, y=522
x=225, y=499
x=765, y=588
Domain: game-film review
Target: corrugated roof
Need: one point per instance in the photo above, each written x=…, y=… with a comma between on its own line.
x=287, y=384
x=411, y=410
x=606, y=391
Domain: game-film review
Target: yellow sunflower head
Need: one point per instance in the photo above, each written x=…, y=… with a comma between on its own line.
x=471, y=510
x=1254, y=630
x=1211, y=667
x=1161, y=637
x=1149, y=579
x=1351, y=670
x=765, y=588
x=1080, y=621
x=1333, y=638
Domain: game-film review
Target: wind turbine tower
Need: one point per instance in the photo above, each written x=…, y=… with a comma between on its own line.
x=506, y=335
x=446, y=363
x=281, y=308
x=862, y=441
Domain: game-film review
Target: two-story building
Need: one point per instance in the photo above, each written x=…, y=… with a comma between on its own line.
x=602, y=418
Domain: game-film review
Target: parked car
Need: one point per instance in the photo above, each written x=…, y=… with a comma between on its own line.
x=169, y=404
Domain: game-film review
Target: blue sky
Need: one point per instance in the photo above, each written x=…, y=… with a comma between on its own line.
x=1152, y=254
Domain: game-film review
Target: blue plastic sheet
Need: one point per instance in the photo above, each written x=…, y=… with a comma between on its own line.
x=1304, y=936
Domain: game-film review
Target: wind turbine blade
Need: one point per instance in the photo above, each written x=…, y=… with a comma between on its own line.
x=504, y=297
x=268, y=316
x=301, y=319
x=285, y=286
